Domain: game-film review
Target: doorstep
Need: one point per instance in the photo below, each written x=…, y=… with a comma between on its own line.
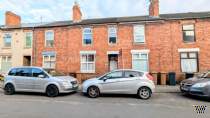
x=167, y=89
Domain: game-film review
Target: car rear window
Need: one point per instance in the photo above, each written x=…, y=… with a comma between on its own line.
x=132, y=74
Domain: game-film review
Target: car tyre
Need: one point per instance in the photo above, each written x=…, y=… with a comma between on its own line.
x=52, y=91
x=93, y=92
x=9, y=89
x=144, y=93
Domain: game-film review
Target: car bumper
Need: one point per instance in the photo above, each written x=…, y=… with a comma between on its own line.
x=69, y=90
x=194, y=91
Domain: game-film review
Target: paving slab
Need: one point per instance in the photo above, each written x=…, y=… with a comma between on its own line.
x=167, y=89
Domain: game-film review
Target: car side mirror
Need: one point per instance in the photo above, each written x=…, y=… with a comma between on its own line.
x=104, y=80
x=41, y=76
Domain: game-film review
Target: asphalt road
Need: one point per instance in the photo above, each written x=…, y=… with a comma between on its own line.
x=161, y=105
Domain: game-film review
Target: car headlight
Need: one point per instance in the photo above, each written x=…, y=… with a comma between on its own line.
x=199, y=85
x=66, y=83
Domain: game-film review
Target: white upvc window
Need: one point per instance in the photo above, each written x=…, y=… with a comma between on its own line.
x=139, y=33
x=87, y=36
x=6, y=63
x=140, y=61
x=87, y=62
x=189, y=62
x=112, y=34
x=49, y=38
x=7, y=40
x=49, y=61
x=28, y=39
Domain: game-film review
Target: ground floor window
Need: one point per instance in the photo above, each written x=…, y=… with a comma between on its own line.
x=87, y=63
x=6, y=63
x=49, y=60
x=189, y=62
x=140, y=62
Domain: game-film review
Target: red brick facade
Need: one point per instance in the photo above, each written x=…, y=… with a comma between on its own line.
x=163, y=39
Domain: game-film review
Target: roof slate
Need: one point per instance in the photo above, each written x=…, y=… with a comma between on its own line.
x=175, y=16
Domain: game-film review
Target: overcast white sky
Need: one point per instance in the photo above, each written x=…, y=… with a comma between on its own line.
x=54, y=10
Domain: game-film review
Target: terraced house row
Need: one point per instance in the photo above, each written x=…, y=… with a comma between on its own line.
x=157, y=43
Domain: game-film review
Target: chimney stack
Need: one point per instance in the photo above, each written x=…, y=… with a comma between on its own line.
x=154, y=8
x=11, y=19
x=77, y=14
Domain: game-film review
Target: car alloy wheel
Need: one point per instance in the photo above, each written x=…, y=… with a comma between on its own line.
x=9, y=89
x=52, y=91
x=144, y=93
x=93, y=92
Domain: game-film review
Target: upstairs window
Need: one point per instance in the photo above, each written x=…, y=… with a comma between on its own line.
x=87, y=36
x=7, y=40
x=112, y=32
x=28, y=39
x=139, y=34
x=49, y=38
x=188, y=33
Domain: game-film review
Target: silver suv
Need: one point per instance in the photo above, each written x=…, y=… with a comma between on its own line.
x=36, y=79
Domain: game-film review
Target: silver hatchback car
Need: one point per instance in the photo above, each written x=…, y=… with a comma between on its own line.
x=36, y=79
x=120, y=82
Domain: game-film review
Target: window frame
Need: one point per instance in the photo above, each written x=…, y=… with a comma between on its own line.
x=47, y=31
x=43, y=61
x=188, y=57
x=116, y=28
x=183, y=31
x=134, y=33
x=141, y=53
x=83, y=35
x=94, y=63
x=31, y=33
x=4, y=40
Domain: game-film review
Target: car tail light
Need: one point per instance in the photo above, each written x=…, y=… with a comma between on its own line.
x=149, y=77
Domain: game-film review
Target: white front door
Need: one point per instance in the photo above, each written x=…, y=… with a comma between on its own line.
x=112, y=65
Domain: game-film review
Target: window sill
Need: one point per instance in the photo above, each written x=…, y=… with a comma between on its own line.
x=189, y=42
x=139, y=43
x=6, y=48
x=49, y=47
x=112, y=44
x=27, y=47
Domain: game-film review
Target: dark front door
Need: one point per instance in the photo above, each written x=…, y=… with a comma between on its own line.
x=27, y=61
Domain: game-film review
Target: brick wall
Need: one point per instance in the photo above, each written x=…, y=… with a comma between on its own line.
x=163, y=39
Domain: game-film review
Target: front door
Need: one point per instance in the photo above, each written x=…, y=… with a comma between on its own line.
x=27, y=61
x=113, y=62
